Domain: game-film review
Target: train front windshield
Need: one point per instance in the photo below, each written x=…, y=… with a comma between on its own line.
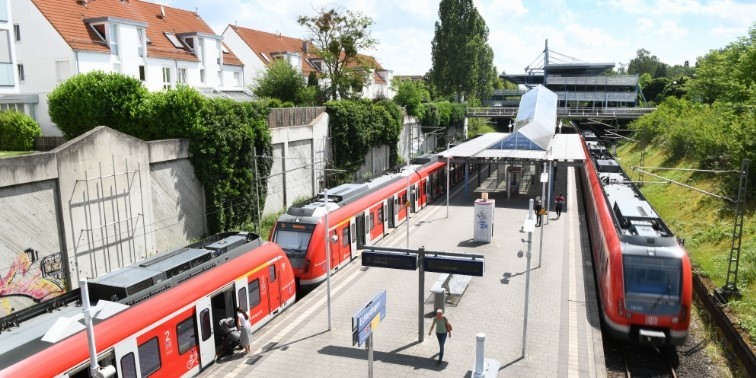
x=294, y=239
x=652, y=284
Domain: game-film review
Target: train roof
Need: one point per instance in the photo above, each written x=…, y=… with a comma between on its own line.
x=344, y=194
x=115, y=291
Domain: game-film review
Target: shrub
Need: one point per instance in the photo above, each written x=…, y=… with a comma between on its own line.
x=96, y=98
x=17, y=131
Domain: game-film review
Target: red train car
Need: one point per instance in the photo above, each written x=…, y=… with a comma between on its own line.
x=643, y=274
x=359, y=214
x=159, y=317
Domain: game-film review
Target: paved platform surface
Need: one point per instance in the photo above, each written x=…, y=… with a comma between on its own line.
x=563, y=332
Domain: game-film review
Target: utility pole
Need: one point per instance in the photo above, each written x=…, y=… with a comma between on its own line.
x=730, y=288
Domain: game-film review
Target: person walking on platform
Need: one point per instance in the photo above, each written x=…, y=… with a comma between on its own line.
x=443, y=327
x=537, y=209
x=245, y=329
x=559, y=204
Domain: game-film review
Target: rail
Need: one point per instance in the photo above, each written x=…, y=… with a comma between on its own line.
x=732, y=337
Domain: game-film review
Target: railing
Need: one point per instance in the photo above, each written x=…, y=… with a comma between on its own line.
x=510, y=111
x=285, y=117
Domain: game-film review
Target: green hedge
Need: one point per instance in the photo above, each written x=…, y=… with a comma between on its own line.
x=17, y=131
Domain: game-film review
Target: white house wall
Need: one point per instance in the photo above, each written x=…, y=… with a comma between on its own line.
x=252, y=63
x=8, y=25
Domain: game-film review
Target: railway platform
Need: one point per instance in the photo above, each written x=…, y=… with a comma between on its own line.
x=563, y=331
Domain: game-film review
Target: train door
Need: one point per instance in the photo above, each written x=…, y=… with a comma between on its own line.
x=274, y=289
x=392, y=210
x=352, y=238
x=359, y=222
x=413, y=199
x=127, y=361
x=205, y=324
x=421, y=193
x=242, y=299
x=333, y=242
x=382, y=217
x=344, y=244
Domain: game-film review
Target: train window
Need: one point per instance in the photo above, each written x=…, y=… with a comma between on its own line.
x=205, y=324
x=254, y=293
x=380, y=215
x=149, y=357
x=371, y=221
x=345, y=237
x=82, y=371
x=186, y=335
x=272, y=270
x=242, y=295
x=128, y=366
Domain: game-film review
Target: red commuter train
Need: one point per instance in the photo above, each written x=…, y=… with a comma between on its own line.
x=643, y=274
x=359, y=214
x=158, y=317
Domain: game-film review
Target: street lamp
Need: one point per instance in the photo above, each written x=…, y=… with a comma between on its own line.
x=529, y=227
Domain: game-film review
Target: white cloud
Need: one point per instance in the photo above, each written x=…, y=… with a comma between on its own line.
x=670, y=29
x=645, y=23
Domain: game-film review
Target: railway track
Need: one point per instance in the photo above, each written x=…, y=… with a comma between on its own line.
x=650, y=362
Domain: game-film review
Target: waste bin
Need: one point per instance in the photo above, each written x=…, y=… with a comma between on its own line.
x=439, y=300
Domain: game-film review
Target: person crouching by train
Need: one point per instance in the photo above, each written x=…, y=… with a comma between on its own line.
x=245, y=329
x=443, y=327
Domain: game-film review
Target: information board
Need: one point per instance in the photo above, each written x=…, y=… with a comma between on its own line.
x=395, y=260
x=454, y=265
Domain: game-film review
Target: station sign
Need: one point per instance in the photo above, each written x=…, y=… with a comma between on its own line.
x=395, y=260
x=368, y=318
x=454, y=265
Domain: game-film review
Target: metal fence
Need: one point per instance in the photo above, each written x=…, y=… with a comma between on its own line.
x=284, y=117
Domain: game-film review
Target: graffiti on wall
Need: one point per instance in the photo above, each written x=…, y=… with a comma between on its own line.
x=30, y=280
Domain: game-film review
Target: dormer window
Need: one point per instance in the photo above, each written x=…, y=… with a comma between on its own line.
x=99, y=29
x=189, y=42
x=174, y=40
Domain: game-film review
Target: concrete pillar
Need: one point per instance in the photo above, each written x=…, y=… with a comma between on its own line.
x=479, y=355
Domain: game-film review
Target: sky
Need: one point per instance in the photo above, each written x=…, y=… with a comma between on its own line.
x=601, y=31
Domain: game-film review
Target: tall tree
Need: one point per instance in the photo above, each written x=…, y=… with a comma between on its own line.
x=280, y=80
x=644, y=62
x=462, y=58
x=338, y=37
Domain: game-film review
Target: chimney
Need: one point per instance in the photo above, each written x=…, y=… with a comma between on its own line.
x=306, y=47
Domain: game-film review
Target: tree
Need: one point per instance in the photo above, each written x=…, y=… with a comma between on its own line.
x=280, y=80
x=462, y=58
x=411, y=94
x=644, y=62
x=338, y=38
x=17, y=131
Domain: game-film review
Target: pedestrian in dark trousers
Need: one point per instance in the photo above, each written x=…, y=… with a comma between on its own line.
x=443, y=327
x=537, y=208
x=559, y=204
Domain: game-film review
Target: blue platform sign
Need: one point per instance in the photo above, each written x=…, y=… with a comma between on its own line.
x=368, y=318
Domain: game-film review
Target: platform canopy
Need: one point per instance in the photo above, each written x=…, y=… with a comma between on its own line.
x=533, y=137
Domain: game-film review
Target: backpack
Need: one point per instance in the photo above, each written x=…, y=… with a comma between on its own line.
x=448, y=325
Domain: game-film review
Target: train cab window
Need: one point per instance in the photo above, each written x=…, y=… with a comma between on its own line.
x=149, y=357
x=205, y=324
x=254, y=293
x=242, y=295
x=272, y=270
x=106, y=359
x=345, y=237
x=186, y=335
x=128, y=366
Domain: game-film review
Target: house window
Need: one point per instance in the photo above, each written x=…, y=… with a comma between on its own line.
x=113, y=39
x=62, y=70
x=142, y=42
x=21, y=76
x=181, y=76
x=117, y=67
x=142, y=75
x=237, y=78
x=166, y=78
x=100, y=31
x=174, y=40
x=220, y=78
x=17, y=32
x=202, y=76
x=4, y=10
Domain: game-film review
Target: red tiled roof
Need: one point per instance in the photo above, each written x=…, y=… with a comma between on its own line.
x=266, y=43
x=67, y=17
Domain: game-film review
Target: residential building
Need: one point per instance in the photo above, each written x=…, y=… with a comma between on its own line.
x=256, y=49
x=10, y=71
x=160, y=45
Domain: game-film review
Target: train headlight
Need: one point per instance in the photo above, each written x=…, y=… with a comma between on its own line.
x=674, y=320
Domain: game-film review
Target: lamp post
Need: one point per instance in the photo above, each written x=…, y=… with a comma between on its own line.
x=528, y=227
x=328, y=258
